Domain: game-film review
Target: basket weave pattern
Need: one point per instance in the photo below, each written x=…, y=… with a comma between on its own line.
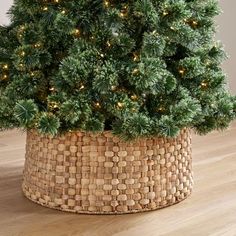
x=101, y=174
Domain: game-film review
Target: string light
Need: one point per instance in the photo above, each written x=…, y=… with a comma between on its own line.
x=161, y=109
x=204, y=84
x=82, y=87
x=192, y=23
x=136, y=56
x=165, y=13
x=22, y=53
x=182, y=71
x=207, y=62
x=106, y=3
x=53, y=105
x=216, y=45
x=124, y=12
x=45, y=8
x=108, y=44
x=113, y=88
x=135, y=71
x=120, y=105
x=77, y=32
x=98, y=105
x=5, y=67
x=5, y=76
x=213, y=105
x=134, y=97
x=37, y=45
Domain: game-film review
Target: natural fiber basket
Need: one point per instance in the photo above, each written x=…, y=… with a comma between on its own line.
x=101, y=174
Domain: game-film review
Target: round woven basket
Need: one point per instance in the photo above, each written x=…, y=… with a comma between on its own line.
x=101, y=174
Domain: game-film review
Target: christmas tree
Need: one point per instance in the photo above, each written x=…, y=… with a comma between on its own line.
x=136, y=67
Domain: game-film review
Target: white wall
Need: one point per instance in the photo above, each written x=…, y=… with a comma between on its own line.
x=4, y=6
x=227, y=33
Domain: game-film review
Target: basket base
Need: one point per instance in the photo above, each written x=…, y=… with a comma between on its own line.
x=37, y=201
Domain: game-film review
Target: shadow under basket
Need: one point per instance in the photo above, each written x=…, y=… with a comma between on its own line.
x=101, y=174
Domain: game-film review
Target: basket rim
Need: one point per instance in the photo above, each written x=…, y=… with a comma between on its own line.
x=106, y=133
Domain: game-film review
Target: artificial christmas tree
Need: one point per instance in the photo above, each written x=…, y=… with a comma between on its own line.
x=107, y=91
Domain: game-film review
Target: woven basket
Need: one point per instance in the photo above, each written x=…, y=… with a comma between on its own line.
x=101, y=174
